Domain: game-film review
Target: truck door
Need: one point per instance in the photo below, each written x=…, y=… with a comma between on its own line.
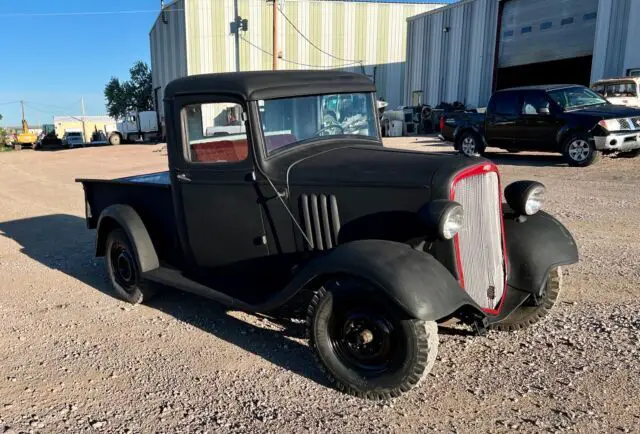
x=217, y=204
x=538, y=126
x=500, y=120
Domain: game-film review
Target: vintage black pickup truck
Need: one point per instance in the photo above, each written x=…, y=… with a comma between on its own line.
x=569, y=119
x=304, y=206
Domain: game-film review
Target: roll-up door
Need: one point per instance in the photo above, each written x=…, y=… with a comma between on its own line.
x=534, y=31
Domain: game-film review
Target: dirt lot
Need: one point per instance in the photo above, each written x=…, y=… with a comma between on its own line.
x=73, y=358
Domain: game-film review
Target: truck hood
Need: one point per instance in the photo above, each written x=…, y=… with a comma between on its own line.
x=373, y=165
x=609, y=111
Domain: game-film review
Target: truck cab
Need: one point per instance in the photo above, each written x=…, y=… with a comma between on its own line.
x=304, y=210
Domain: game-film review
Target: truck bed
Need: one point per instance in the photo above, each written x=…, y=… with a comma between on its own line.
x=466, y=119
x=149, y=195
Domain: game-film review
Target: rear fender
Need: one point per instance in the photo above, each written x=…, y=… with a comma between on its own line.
x=466, y=128
x=415, y=281
x=125, y=217
x=534, y=247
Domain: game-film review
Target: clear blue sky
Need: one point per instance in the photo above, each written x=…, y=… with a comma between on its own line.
x=51, y=61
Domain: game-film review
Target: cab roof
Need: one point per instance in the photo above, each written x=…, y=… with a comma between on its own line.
x=544, y=87
x=258, y=85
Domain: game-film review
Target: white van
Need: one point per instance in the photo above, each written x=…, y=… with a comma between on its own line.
x=619, y=91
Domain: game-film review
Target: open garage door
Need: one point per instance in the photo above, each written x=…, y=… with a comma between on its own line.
x=546, y=41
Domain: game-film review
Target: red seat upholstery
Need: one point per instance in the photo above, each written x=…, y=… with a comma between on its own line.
x=220, y=150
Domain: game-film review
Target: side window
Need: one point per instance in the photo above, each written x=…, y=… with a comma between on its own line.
x=533, y=102
x=214, y=133
x=505, y=103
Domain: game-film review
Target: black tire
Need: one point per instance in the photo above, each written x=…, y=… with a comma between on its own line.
x=579, y=150
x=399, y=354
x=532, y=312
x=470, y=144
x=123, y=270
x=114, y=139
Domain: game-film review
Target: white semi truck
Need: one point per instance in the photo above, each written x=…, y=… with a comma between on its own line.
x=135, y=127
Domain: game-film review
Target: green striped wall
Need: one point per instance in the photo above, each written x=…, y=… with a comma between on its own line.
x=373, y=33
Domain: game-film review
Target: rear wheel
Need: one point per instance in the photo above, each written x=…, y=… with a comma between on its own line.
x=470, y=144
x=123, y=271
x=365, y=346
x=535, y=308
x=580, y=151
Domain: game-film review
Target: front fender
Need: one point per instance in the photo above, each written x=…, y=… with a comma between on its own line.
x=534, y=247
x=415, y=281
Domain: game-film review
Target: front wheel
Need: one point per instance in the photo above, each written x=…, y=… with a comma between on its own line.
x=535, y=308
x=366, y=347
x=114, y=139
x=580, y=151
x=470, y=144
x=123, y=271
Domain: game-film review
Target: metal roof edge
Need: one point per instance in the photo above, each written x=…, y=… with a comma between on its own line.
x=445, y=6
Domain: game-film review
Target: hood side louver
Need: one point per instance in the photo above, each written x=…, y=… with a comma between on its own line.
x=321, y=220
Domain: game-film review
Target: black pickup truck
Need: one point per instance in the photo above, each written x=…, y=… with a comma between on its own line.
x=305, y=207
x=569, y=119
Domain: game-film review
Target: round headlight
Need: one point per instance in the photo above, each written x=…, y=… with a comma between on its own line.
x=451, y=221
x=525, y=197
x=442, y=218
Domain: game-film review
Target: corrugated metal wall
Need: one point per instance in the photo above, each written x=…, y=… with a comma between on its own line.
x=617, y=35
x=451, y=52
x=351, y=32
x=532, y=30
x=168, y=49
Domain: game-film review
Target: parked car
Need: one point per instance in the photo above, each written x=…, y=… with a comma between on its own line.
x=619, y=91
x=309, y=209
x=71, y=139
x=569, y=119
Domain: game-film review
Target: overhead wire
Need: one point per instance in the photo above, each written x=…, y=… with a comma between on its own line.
x=311, y=42
x=61, y=14
x=293, y=61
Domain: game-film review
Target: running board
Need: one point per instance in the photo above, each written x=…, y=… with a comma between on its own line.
x=174, y=278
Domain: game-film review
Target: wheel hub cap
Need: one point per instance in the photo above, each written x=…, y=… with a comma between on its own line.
x=579, y=150
x=468, y=146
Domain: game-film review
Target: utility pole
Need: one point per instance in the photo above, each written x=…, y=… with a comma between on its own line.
x=275, y=35
x=237, y=34
x=84, y=132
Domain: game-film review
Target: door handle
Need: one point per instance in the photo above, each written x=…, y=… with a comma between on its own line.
x=183, y=177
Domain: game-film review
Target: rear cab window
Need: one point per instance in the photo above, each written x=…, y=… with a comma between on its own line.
x=505, y=104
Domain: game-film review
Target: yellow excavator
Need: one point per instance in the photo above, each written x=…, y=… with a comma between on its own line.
x=25, y=137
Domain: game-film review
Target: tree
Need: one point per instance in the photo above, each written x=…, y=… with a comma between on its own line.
x=133, y=94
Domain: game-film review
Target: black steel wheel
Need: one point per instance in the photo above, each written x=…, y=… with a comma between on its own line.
x=535, y=308
x=123, y=270
x=364, y=345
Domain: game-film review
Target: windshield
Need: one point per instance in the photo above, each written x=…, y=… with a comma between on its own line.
x=288, y=122
x=571, y=98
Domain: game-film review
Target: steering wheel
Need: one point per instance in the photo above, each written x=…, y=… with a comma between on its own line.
x=321, y=131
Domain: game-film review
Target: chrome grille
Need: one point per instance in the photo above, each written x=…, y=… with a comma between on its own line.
x=479, y=243
x=624, y=124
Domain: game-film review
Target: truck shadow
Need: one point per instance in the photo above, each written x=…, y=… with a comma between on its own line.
x=62, y=242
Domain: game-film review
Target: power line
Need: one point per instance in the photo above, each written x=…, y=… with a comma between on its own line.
x=310, y=42
x=64, y=14
x=293, y=61
x=9, y=102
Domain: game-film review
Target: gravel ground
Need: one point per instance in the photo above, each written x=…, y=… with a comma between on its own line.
x=75, y=359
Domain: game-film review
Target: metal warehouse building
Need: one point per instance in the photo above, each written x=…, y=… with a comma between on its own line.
x=465, y=51
x=194, y=37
